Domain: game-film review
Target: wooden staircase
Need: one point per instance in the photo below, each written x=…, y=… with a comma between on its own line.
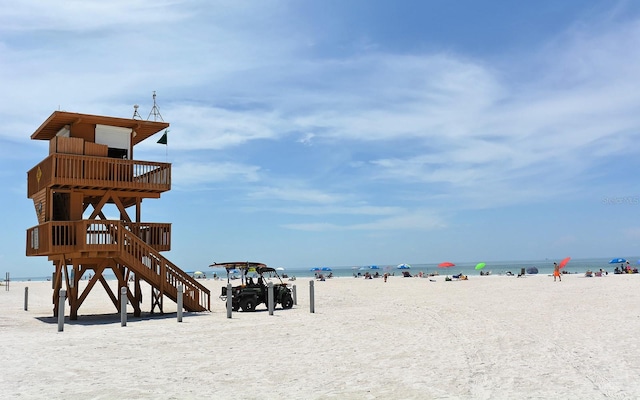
x=149, y=265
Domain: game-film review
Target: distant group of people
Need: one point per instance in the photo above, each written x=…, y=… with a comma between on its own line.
x=367, y=275
x=625, y=269
x=601, y=272
x=321, y=277
x=622, y=269
x=204, y=276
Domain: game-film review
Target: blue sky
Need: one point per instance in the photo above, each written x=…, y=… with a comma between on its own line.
x=308, y=133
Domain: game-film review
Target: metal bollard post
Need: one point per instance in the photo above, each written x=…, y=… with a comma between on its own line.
x=180, y=303
x=295, y=295
x=270, y=298
x=26, y=298
x=61, y=298
x=229, y=298
x=312, y=307
x=123, y=306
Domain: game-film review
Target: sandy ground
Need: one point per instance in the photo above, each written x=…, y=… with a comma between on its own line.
x=491, y=337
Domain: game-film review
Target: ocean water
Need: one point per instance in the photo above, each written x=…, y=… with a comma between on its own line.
x=545, y=267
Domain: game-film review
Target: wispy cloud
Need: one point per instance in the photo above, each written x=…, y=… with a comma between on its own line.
x=465, y=123
x=289, y=194
x=417, y=221
x=198, y=175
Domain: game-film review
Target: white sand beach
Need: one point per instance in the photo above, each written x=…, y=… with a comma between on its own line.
x=491, y=337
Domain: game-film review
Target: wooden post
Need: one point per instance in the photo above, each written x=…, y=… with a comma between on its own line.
x=312, y=307
x=61, y=298
x=270, y=298
x=180, y=302
x=294, y=292
x=229, y=298
x=123, y=306
x=26, y=298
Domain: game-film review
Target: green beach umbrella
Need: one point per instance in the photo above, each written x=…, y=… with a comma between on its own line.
x=480, y=265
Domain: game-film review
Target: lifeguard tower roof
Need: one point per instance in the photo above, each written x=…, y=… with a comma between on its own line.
x=59, y=119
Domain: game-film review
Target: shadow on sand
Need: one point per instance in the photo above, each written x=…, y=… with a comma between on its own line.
x=114, y=318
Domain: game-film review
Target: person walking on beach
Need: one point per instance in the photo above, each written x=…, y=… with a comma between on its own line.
x=556, y=272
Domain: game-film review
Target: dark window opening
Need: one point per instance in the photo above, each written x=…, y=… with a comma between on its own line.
x=118, y=153
x=61, y=207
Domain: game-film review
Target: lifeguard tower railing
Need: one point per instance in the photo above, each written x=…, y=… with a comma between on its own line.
x=120, y=242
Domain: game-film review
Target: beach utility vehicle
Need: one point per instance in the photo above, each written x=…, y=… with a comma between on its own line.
x=251, y=292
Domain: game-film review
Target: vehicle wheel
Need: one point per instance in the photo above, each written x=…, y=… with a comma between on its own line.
x=235, y=306
x=287, y=301
x=248, y=304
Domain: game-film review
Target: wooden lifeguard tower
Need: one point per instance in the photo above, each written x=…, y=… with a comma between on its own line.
x=90, y=170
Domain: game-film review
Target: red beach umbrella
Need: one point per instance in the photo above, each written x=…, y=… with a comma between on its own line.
x=564, y=262
x=446, y=264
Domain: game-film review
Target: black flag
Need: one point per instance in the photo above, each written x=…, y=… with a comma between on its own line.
x=163, y=139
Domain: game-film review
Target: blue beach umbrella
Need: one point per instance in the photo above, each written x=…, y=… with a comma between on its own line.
x=315, y=269
x=326, y=269
x=617, y=261
x=374, y=267
x=403, y=266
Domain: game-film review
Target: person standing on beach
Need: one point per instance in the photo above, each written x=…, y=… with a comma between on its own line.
x=556, y=272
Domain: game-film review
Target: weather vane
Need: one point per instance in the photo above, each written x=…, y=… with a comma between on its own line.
x=155, y=111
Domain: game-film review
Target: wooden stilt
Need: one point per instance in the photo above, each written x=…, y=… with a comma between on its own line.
x=57, y=285
x=72, y=291
x=136, y=301
x=110, y=293
x=156, y=300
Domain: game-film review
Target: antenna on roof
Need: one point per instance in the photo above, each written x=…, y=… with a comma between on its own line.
x=155, y=111
x=136, y=114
